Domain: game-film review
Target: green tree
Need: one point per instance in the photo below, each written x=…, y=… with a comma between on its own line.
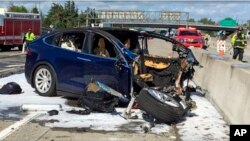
x=67, y=16
x=62, y=16
x=34, y=10
x=87, y=17
x=247, y=24
x=14, y=8
x=91, y=15
x=71, y=14
x=81, y=19
x=191, y=20
x=206, y=21
x=55, y=16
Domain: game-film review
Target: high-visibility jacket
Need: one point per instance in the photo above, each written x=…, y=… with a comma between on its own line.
x=30, y=36
x=239, y=41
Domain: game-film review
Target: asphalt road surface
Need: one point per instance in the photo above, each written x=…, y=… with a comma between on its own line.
x=11, y=62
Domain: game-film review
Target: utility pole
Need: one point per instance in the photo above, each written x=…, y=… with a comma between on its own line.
x=78, y=20
x=187, y=14
x=87, y=18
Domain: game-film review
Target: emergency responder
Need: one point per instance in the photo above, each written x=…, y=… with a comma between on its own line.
x=28, y=37
x=239, y=43
x=206, y=39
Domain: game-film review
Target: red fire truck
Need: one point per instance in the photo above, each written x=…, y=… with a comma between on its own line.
x=13, y=27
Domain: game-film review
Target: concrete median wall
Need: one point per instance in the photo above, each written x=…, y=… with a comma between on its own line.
x=228, y=85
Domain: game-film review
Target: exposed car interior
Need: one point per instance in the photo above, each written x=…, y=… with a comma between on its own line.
x=127, y=37
x=102, y=47
x=72, y=41
x=156, y=71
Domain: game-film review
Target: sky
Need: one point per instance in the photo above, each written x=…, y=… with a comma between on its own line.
x=216, y=10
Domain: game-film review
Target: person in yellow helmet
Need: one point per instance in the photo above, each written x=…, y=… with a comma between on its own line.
x=239, y=43
x=28, y=37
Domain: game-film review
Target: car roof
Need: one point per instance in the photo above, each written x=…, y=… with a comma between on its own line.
x=91, y=29
x=104, y=31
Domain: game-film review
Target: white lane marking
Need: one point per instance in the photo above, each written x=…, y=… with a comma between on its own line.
x=12, y=128
x=17, y=65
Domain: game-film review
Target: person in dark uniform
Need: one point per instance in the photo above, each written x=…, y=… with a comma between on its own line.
x=239, y=43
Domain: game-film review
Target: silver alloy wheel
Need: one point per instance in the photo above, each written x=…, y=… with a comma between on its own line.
x=163, y=97
x=43, y=80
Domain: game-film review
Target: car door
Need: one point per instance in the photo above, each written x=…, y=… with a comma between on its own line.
x=112, y=70
x=68, y=66
x=76, y=69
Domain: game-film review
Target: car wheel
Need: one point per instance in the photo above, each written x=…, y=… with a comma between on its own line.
x=160, y=105
x=44, y=81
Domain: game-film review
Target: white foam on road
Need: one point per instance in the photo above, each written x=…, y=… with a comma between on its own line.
x=205, y=124
x=94, y=121
x=28, y=97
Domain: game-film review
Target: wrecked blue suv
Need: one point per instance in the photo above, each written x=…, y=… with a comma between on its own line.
x=51, y=68
x=64, y=62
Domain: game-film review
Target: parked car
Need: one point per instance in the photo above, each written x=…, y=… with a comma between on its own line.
x=189, y=37
x=100, y=54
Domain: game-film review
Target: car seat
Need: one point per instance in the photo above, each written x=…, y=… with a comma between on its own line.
x=100, y=47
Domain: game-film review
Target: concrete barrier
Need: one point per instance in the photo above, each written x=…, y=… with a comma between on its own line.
x=228, y=84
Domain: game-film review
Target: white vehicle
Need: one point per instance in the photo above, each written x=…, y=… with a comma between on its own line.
x=248, y=34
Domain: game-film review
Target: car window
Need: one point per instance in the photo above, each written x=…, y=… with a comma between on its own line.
x=72, y=41
x=160, y=47
x=128, y=38
x=53, y=39
x=103, y=47
x=188, y=33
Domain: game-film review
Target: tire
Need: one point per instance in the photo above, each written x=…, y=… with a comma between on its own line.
x=44, y=81
x=6, y=48
x=168, y=112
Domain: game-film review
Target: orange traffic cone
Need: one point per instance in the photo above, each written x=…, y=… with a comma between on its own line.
x=221, y=52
